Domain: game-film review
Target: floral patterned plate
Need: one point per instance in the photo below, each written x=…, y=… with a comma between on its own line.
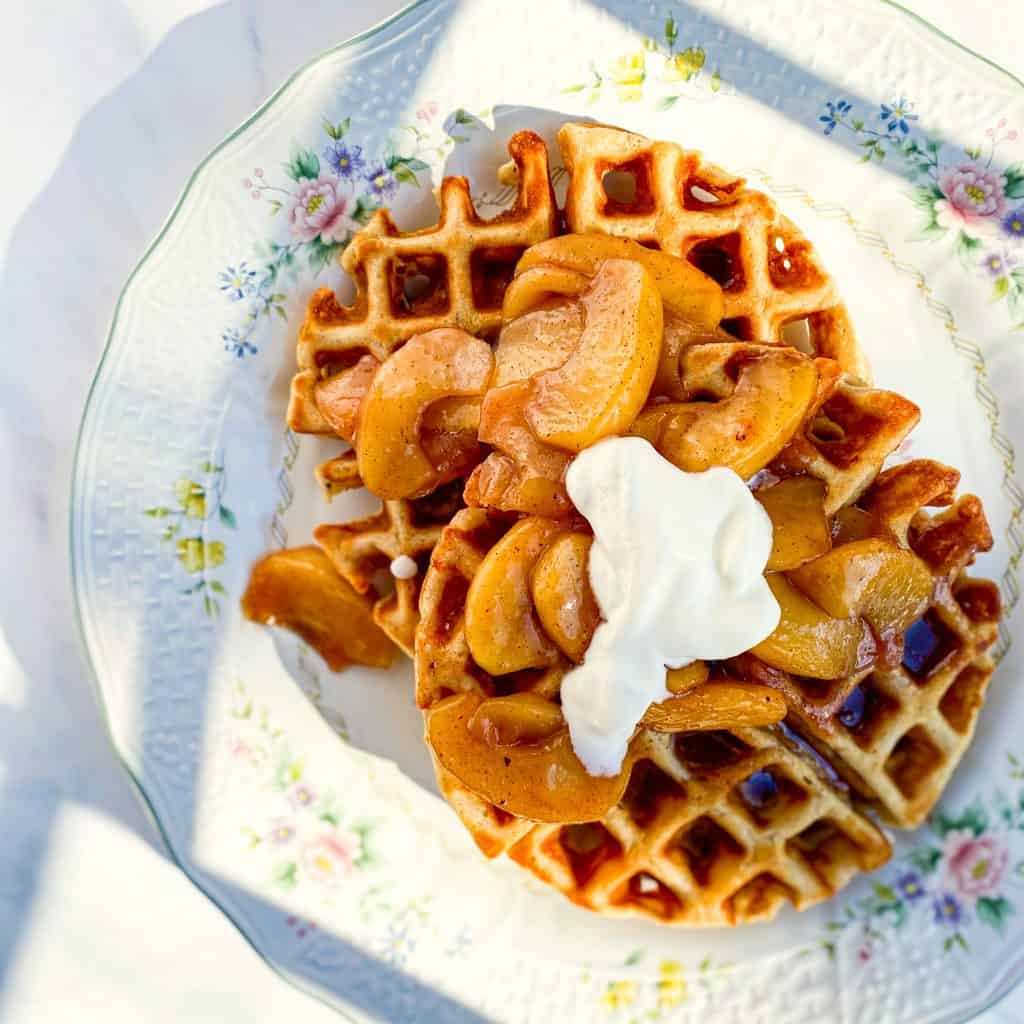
x=312, y=822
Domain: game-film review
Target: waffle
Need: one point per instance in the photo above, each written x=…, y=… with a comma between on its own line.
x=769, y=272
x=364, y=550
x=896, y=734
x=451, y=275
x=714, y=828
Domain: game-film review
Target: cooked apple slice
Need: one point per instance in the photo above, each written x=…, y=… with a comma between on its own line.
x=810, y=642
x=684, y=289
x=444, y=363
x=603, y=385
x=300, y=589
x=501, y=628
x=800, y=528
x=535, y=286
x=339, y=397
x=542, y=781
x=542, y=339
x=875, y=578
x=518, y=718
x=448, y=435
x=743, y=431
x=723, y=704
x=679, y=680
x=677, y=336
x=560, y=586
x=853, y=523
x=523, y=475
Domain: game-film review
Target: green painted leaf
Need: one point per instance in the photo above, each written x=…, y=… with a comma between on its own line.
x=403, y=174
x=576, y=87
x=210, y=606
x=884, y=892
x=948, y=944
x=1014, y=180
x=973, y=151
x=157, y=512
x=966, y=248
x=671, y=30
x=459, y=138
x=217, y=587
x=926, y=860
x=285, y=874
x=999, y=288
x=716, y=81
x=330, y=817
x=993, y=911
x=830, y=948
x=932, y=145
x=227, y=517
x=925, y=196
x=463, y=117
x=275, y=207
x=929, y=231
x=210, y=467
x=330, y=129
x=415, y=164
x=858, y=124
x=667, y=102
x=634, y=958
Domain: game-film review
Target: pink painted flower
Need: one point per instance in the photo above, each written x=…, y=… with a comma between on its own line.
x=974, y=865
x=973, y=193
x=319, y=208
x=330, y=858
x=428, y=111
x=864, y=953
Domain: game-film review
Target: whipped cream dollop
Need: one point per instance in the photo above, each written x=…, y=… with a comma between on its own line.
x=677, y=569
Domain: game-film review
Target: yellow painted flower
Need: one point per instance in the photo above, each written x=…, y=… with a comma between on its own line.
x=192, y=498
x=196, y=555
x=671, y=985
x=683, y=66
x=620, y=994
x=627, y=73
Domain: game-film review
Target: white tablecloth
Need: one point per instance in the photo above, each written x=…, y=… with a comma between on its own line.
x=106, y=106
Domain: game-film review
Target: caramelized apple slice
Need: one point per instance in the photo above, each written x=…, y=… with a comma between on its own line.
x=810, y=642
x=542, y=781
x=677, y=336
x=300, y=590
x=501, y=628
x=538, y=284
x=800, y=529
x=679, y=680
x=852, y=523
x=723, y=704
x=523, y=475
x=889, y=586
x=339, y=397
x=603, y=385
x=564, y=602
x=448, y=435
x=542, y=339
x=443, y=363
x=518, y=718
x=744, y=431
x=689, y=293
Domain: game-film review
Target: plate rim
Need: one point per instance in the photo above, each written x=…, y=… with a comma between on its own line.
x=1009, y=979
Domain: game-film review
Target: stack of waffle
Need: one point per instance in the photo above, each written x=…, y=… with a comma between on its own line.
x=715, y=826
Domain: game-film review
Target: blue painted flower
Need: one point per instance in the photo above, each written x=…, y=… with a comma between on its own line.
x=346, y=161
x=897, y=114
x=382, y=182
x=948, y=909
x=996, y=264
x=237, y=343
x=238, y=282
x=1013, y=223
x=834, y=114
x=910, y=886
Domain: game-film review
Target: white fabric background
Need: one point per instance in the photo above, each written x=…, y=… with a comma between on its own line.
x=105, y=108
